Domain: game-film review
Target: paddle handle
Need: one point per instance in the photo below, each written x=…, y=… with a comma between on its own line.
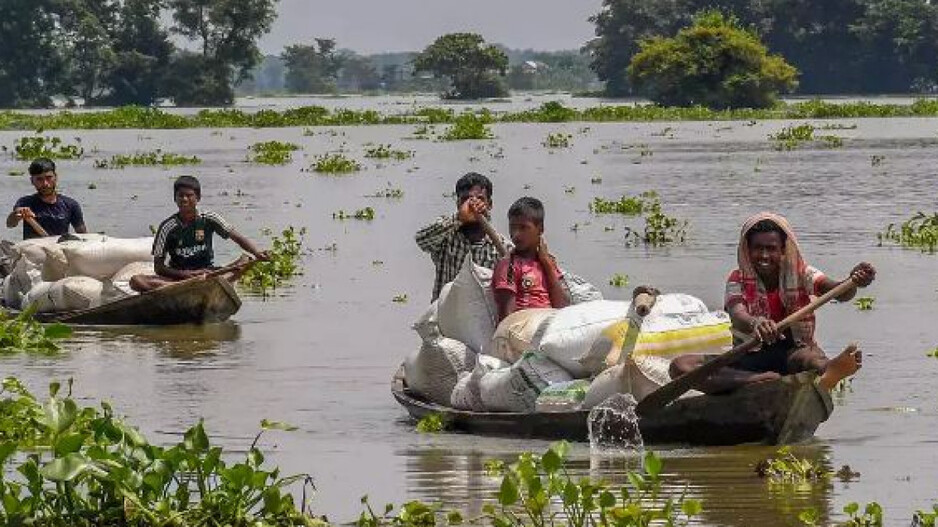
x=676, y=388
x=490, y=232
x=36, y=227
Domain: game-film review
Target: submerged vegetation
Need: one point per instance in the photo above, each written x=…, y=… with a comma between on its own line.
x=335, y=164
x=558, y=140
x=155, y=158
x=272, y=152
x=365, y=214
x=29, y=148
x=284, y=263
x=787, y=468
x=550, y=112
x=792, y=137
x=919, y=232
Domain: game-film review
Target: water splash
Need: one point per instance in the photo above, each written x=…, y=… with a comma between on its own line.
x=613, y=426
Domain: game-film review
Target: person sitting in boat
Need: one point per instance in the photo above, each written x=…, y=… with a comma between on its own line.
x=772, y=282
x=53, y=212
x=186, y=238
x=449, y=239
x=528, y=277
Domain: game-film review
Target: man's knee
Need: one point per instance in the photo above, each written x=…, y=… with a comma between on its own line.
x=683, y=364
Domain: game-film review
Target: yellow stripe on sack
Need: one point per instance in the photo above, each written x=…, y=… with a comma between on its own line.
x=703, y=348
x=683, y=333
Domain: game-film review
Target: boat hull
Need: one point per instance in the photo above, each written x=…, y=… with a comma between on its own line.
x=785, y=411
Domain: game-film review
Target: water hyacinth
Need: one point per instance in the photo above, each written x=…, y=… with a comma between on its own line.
x=919, y=232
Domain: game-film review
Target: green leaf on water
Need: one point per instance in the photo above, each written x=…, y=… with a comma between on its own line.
x=66, y=468
x=277, y=425
x=57, y=331
x=508, y=492
x=551, y=461
x=69, y=444
x=652, y=464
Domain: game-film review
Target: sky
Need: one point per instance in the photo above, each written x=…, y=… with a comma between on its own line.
x=372, y=26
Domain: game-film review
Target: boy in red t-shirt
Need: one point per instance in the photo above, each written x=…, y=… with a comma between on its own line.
x=529, y=277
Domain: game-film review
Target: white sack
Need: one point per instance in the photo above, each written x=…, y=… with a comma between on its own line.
x=69, y=294
x=467, y=312
x=20, y=281
x=428, y=325
x=134, y=268
x=105, y=258
x=466, y=394
x=434, y=370
x=570, y=334
x=516, y=389
x=518, y=333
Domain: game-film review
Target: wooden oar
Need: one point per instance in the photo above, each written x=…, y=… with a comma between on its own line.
x=493, y=235
x=218, y=272
x=662, y=396
x=36, y=227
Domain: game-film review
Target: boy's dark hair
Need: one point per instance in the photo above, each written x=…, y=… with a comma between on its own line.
x=189, y=182
x=41, y=165
x=472, y=179
x=528, y=208
x=766, y=226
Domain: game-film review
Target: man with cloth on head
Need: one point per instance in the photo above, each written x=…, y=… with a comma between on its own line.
x=54, y=212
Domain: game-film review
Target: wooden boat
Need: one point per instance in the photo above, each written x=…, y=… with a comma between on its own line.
x=785, y=411
x=194, y=301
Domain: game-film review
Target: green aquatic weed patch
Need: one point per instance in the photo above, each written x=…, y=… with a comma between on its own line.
x=23, y=334
x=272, y=152
x=84, y=467
x=619, y=280
x=432, y=423
x=386, y=152
x=864, y=303
x=918, y=232
x=29, y=148
x=787, y=468
x=286, y=251
x=388, y=192
x=155, y=158
x=365, y=214
x=627, y=205
x=468, y=126
x=660, y=229
x=335, y=164
x=557, y=140
x=792, y=137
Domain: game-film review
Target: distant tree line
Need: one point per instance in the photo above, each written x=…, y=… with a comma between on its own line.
x=839, y=46
x=118, y=52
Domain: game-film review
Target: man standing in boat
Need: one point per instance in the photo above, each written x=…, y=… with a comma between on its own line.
x=53, y=212
x=186, y=238
x=450, y=239
x=772, y=282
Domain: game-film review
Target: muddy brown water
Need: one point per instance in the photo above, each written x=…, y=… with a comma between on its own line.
x=320, y=354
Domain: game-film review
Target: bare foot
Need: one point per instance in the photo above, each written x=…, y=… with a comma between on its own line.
x=847, y=363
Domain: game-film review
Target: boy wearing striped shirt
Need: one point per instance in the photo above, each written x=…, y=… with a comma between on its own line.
x=186, y=239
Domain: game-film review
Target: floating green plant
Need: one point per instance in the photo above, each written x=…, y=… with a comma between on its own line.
x=285, y=253
x=786, y=468
x=155, y=158
x=933, y=353
x=365, y=214
x=22, y=334
x=596, y=180
x=919, y=232
x=389, y=193
x=399, y=299
x=386, y=152
x=792, y=137
x=272, y=152
x=876, y=160
x=29, y=148
x=335, y=164
x=558, y=140
x=627, y=205
x=619, y=280
x=468, y=126
x=864, y=303
x=431, y=423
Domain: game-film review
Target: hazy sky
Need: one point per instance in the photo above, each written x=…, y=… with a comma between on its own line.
x=370, y=26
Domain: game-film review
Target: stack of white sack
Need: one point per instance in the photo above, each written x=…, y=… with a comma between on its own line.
x=633, y=354
x=434, y=369
x=72, y=275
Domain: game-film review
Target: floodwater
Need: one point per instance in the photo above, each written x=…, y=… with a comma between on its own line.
x=321, y=353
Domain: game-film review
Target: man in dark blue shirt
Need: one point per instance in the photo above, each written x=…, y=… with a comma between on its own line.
x=53, y=211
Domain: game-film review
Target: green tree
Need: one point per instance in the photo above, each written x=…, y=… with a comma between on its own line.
x=357, y=74
x=712, y=63
x=143, y=53
x=312, y=68
x=84, y=37
x=472, y=67
x=30, y=62
x=226, y=32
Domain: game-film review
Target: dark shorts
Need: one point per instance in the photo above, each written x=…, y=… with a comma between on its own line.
x=772, y=357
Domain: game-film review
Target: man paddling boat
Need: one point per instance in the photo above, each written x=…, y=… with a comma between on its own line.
x=772, y=282
x=53, y=212
x=185, y=238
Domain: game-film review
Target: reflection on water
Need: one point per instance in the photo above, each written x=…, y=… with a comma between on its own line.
x=185, y=341
x=724, y=478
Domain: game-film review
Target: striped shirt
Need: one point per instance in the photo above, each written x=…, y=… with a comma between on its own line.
x=448, y=247
x=189, y=246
